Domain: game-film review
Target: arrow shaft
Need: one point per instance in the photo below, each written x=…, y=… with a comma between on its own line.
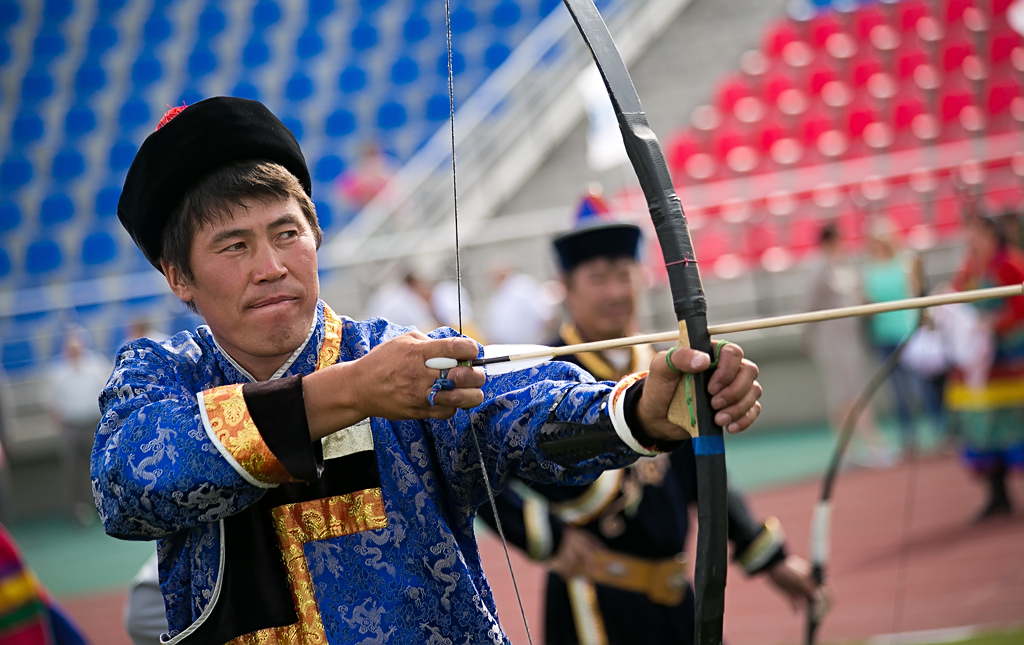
x=923, y=302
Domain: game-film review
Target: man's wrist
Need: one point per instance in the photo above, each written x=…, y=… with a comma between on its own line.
x=623, y=402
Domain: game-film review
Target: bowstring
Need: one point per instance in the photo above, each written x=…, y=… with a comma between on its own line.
x=458, y=285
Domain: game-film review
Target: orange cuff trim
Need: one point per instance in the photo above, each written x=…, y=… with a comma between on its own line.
x=228, y=422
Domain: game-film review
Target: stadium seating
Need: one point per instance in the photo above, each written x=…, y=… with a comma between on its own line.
x=852, y=81
x=89, y=82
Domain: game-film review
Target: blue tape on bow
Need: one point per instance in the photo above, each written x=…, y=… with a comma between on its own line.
x=713, y=445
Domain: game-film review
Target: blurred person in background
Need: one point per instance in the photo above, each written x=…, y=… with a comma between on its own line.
x=989, y=409
x=838, y=347
x=76, y=379
x=888, y=274
x=622, y=537
x=28, y=614
x=372, y=172
x=521, y=309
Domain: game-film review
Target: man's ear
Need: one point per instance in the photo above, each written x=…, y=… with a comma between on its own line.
x=176, y=281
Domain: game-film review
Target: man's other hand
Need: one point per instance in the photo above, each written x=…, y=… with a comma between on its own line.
x=733, y=387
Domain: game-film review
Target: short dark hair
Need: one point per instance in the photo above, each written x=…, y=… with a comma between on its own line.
x=210, y=201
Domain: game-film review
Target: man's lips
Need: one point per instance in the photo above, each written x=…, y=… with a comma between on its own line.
x=272, y=300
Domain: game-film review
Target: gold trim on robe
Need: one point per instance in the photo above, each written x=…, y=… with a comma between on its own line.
x=297, y=524
x=233, y=426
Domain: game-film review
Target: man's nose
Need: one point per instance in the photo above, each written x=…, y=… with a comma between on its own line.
x=269, y=265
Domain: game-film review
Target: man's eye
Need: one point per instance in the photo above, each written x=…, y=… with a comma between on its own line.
x=237, y=246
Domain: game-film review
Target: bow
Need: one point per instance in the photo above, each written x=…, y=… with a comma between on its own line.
x=690, y=306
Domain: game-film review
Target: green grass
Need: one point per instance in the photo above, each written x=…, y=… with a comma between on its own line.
x=72, y=560
x=1001, y=637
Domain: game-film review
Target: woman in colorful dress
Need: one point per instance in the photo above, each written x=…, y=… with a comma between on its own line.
x=990, y=411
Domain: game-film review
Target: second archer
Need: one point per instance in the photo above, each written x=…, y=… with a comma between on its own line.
x=614, y=548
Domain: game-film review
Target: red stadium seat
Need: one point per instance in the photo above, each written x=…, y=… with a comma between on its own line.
x=907, y=61
x=777, y=36
x=858, y=118
x=909, y=12
x=863, y=69
x=1002, y=45
x=866, y=19
x=954, y=11
x=775, y=83
x=951, y=101
x=823, y=25
x=818, y=76
x=906, y=109
x=1001, y=95
x=680, y=148
x=953, y=53
x=999, y=7
x=731, y=89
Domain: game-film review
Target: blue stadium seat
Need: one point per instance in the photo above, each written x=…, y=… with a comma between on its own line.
x=17, y=356
x=56, y=11
x=79, y=120
x=189, y=96
x=547, y=6
x=416, y=28
x=352, y=79
x=67, y=164
x=27, y=127
x=458, y=63
x=157, y=29
x=107, y=8
x=5, y=52
x=246, y=90
x=102, y=37
x=320, y=9
x=495, y=55
x=90, y=79
x=15, y=172
x=391, y=115
x=56, y=209
x=293, y=124
x=134, y=112
x=121, y=155
x=264, y=14
x=369, y=6
x=364, y=36
x=438, y=107
x=49, y=44
x=506, y=14
x=10, y=216
x=328, y=168
x=340, y=123
x=323, y=214
x=404, y=71
x=255, y=52
x=299, y=87
x=202, y=61
x=309, y=43
x=211, y=22
x=42, y=256
x=106, y=201
x=5, y=264
x=462, y=20
x=98, y=248
x=146, y=71
x=10, y=13
x=36, y=85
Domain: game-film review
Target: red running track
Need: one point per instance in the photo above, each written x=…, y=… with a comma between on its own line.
x=949, y=572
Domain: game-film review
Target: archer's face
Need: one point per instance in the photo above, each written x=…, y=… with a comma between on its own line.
x=601, y=295
x=255, y=282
